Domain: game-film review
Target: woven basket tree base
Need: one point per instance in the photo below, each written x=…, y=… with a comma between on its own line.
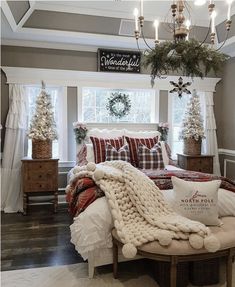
x=192, y=147
x=41, y=149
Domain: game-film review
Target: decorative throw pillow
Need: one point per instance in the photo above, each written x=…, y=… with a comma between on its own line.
x=82, y=156
x=150, y=158
x=197, y=200
x=133, y=146
x=113, y=154
x=99, y=146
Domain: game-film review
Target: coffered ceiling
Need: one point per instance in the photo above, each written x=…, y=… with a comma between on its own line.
x=86, y=25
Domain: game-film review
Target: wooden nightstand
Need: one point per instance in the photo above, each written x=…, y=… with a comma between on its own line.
x=39, y=176
x=202, y=163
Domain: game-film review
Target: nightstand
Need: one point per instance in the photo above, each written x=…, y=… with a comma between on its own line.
x=39, y=176
x=202, y=163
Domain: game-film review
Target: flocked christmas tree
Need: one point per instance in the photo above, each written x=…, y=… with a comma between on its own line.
x=192, y=127
x=43, y=126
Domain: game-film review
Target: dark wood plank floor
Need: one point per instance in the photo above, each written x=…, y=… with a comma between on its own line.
x=39, y=239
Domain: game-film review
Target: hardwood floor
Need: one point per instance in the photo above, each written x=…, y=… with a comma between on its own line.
x=39, y=239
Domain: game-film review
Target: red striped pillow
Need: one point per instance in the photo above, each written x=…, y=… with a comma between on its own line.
x=133, y=146
x=99, y=146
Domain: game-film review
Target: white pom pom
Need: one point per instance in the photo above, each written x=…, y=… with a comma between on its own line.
x=129, y=250
x=91, y=166
x=196, y=241
x=211, y=243
x=98, y=174
x=165, y=237
x=77, y=169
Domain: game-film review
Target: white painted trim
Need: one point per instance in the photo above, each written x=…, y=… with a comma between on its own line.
x=7, y=11
x=99, y=79
x=229, y=152
x=225, y=165
x=67, y=164
x=49, y=45
x=157, y=106
x=79, y=103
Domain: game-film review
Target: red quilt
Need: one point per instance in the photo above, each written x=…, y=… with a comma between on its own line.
x=82, y=192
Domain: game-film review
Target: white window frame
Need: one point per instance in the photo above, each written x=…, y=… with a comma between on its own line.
x=114, y=86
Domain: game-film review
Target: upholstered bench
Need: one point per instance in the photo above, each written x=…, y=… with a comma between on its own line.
x=181, y=251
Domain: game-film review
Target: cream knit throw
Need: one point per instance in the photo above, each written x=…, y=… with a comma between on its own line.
x=139, y=211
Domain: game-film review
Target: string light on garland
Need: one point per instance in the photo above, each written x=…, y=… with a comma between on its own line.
x=180, y=87
x=119, y=105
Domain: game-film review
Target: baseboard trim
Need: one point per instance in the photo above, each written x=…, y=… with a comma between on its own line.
x=226, y=151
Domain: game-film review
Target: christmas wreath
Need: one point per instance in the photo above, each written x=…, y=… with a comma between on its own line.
x=119, y=105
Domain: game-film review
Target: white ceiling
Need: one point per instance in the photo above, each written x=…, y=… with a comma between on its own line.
x=12, y=34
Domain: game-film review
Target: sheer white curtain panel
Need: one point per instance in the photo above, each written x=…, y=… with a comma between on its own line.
x=211, y=145
x=14, y=149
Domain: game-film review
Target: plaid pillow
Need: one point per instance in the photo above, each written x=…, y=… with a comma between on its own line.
x=150, y=158
x=113, y=154
x=99, y=146
x=81, y=156
x=133, y=146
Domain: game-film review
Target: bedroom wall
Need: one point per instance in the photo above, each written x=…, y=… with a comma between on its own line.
x=14, y=56
x=225, y=116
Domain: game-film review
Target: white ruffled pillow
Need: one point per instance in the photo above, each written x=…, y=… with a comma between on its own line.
x=141, y=134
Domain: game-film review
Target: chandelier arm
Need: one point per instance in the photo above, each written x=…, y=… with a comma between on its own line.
x=208, y=31
x=137, y=43
x=142, y=34
x=223, y=42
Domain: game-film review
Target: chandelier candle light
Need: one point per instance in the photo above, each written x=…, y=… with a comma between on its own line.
x=188, y=56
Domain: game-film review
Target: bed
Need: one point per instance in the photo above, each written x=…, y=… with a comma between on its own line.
x=91, y=229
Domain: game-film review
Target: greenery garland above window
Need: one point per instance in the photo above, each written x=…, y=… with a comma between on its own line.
x=189, y=58
x=119, y=105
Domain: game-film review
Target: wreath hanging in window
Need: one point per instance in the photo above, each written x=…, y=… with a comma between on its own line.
x=119, y=105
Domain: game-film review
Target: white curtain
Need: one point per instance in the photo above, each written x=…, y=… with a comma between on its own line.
x=211, y=146
x=14, y=149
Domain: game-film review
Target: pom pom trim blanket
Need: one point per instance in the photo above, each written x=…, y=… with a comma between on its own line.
x=139, y=211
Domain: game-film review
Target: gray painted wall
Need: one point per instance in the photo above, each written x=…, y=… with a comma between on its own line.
x=225, y=114
x=18, y=9
x=163, y=106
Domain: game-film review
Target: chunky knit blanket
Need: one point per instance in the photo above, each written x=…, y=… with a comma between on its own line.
x=139, y=211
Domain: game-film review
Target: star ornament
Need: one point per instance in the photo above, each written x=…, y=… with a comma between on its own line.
x=180, y=87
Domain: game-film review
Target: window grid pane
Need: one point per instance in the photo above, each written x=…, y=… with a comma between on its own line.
x=94, y=101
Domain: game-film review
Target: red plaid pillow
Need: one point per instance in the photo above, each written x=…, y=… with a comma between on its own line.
x=113, y=154
x=81, y=156
x=150, y=158
x=99, y=146
x=133, y=146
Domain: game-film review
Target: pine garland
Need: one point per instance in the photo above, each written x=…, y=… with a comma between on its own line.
x=43, y=126
x=188, y=58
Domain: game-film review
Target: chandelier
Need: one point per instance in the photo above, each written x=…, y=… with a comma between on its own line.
x=186, y=56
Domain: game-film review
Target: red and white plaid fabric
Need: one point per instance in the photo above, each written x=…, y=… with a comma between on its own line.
x=150, y=158
x=99, y=146
x=113, y=154
x=133, y=146
x=81, y=156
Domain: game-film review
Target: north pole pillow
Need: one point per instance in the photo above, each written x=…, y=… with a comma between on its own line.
x=196, y=200
x=113, y=154
x=150, y=158
x=99, y=146
x=133, y=146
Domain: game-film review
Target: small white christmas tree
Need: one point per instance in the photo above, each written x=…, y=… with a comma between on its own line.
x=192, y=127
x=43, y=126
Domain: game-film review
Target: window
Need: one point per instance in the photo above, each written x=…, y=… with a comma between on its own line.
x=58, y=97
x=177, y=108
x=94, y=102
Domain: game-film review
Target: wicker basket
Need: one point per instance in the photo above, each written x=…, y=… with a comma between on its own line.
x=41, y=149
x=192, y=147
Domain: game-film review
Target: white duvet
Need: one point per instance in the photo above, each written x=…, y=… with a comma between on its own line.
x=92, y=228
